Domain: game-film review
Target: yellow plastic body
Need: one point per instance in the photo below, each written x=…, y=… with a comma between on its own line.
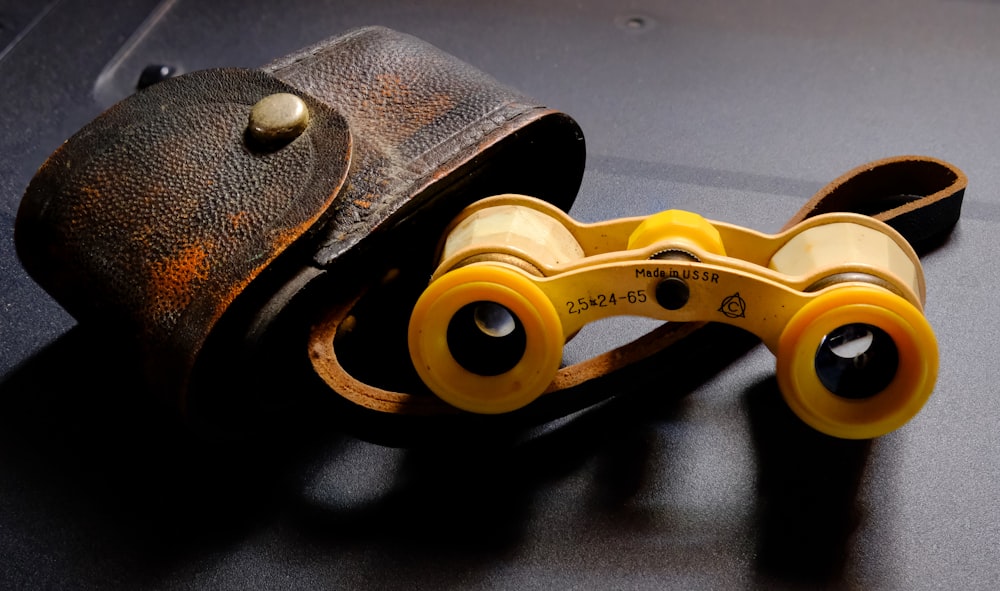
x=790, y=289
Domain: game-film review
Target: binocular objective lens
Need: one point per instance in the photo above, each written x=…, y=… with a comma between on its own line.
x=486, y=338
x=856, y=361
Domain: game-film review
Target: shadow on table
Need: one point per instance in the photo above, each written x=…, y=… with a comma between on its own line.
x=87, y=454
x=85, y=450
x=807, y=493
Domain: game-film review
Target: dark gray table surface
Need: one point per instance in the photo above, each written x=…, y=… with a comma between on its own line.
x=739, y=111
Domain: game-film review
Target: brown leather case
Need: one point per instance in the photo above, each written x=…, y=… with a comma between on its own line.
x=160, y=221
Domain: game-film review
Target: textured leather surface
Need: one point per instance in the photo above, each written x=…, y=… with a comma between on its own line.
x=416, y=113
x=157, y=216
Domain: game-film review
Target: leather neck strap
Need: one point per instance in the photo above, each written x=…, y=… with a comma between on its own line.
x=918, y=196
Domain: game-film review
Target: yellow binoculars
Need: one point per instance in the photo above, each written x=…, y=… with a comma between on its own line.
x=837, y=298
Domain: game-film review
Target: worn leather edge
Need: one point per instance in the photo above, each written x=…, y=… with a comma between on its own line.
x=931, y=192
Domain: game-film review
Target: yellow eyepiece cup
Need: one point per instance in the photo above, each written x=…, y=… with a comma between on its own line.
x=857, y=418
x=434, y=358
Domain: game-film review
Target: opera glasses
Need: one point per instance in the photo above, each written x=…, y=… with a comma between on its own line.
x=837, y=298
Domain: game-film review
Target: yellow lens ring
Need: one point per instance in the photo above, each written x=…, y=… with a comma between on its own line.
x=682, y=229
x=447, y=378
x=863, y=418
